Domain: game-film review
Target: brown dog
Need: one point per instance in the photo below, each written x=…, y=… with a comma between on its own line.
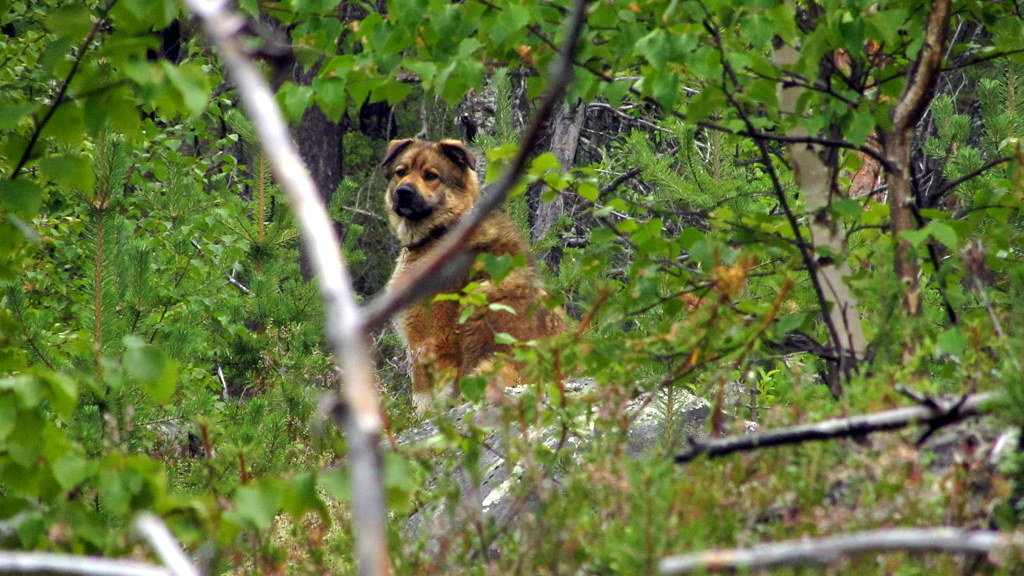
x=432, y=185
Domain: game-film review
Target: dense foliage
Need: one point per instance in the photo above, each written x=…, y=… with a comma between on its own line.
x=162, y=349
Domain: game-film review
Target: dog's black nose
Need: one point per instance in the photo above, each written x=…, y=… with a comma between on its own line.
x=405, y=194
x=408, y=203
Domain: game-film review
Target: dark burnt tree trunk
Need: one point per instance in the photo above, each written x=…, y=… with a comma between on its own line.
x=321, y=144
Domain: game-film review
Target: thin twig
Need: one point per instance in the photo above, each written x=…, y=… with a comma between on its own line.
x=362, y=422
x=627, y=117
x=831, y=549
x=934, y=414
x=437, y=262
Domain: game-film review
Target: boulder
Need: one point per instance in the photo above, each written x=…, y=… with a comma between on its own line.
x=655, y=421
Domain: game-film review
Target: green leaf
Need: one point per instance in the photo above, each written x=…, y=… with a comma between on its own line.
x=21, y=196
x=114, y=495
x=133, y=16
x=505, y=338
x=861, y=125
x=952, y=342
x=294, y=100
x=63, y=393
x=588, y=191
x=151, y=367
x=301, y=496
x=915, y=237
x=72, y=20
x=392, y=91
x=13, y=112
x=192, y=83
x=789, y=322
x=512, y=19
x=335, y=483
x=847, y=208
x=71, y=470
x=8, y=417
x=70, y=171
x=402, y=479
x=67, y=125
x=314, y=6
x=473, y=387
x=258, y=503
x=944, y=233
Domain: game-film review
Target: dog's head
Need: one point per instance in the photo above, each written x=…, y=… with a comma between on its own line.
x=430, y=186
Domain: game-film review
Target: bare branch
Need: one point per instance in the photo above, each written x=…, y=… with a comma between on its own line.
x=154, y=531
x=363, y=424
x=438, y=260
x=47, y=563
x=627, y=117
x=934, y=414
x=831, y=549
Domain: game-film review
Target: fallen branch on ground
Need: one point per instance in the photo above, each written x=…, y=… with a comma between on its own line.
x=931, y=413
x=829, y=550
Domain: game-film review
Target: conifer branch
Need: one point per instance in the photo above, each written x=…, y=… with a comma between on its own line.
x=362, y=419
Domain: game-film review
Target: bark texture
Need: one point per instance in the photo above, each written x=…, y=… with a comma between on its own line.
x=816, y=170
x=897, y=146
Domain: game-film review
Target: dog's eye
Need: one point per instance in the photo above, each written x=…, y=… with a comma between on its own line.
x=429, y=176
x=401, y=172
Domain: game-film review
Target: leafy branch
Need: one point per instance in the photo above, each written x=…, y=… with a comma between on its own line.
x=59, y=99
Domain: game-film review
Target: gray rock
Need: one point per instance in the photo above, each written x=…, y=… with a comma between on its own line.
x=657, y=421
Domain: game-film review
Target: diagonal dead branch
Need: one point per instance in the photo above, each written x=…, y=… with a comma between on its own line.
x=155, y=532
x=362, y=421
x=437, y=263
x=831, y=549
x=934, y=414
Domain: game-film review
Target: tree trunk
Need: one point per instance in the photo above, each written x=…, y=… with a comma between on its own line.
x=816, y=174
x=897, y=146
x=322, y=148
x=565, y=136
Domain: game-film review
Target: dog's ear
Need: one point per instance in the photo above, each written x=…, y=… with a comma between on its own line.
x=457, y=152
x=395, y=148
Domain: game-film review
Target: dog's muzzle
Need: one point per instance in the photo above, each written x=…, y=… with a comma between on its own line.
x=407, y=203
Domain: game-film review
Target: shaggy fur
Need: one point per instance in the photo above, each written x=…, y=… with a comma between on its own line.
x=432, y=185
